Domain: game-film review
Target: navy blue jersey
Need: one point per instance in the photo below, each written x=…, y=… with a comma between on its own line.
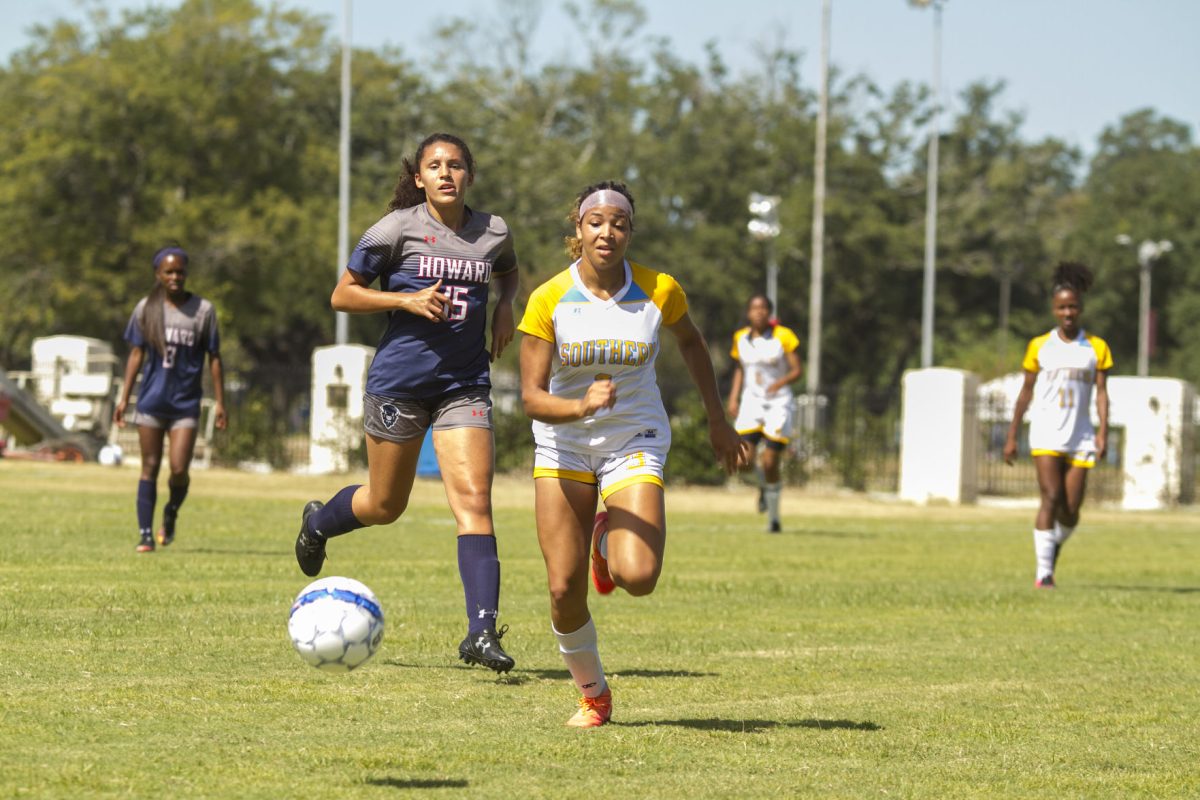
x=409, y=250
x=172, y=381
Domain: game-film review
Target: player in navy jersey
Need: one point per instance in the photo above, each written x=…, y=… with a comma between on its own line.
x=434, y=258
x=170, y=332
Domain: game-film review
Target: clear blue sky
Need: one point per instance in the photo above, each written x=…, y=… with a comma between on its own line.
x=1072, y=66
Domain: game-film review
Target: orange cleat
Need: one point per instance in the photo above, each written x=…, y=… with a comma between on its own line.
x=601, y=578
x=593, y=711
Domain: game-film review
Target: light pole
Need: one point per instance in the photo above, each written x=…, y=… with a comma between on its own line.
x=931, y=180
x=1147, y=253
x=817, y=279
x=342, y=321
x=764, y=226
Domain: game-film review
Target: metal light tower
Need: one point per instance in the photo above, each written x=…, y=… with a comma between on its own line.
x=342, y=321
x=817, y=279
x=765, y=227
x=1147, y=253
x=931, y=187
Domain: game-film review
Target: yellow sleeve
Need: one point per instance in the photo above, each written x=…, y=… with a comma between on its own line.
x=733, y=351
x=1104, y=358
x=669, y=296
x=538, y=319
x=1030, y=363
x=787, y=337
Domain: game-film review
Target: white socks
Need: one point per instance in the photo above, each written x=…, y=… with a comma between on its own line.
x=582, y=656
x=1047, y=544
x=771, y=493
x=1044, y=545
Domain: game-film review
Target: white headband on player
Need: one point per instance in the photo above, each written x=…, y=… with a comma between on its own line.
x=606, y=197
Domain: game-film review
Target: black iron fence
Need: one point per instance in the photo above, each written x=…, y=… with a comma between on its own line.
x=846, y=438
x=994, y=477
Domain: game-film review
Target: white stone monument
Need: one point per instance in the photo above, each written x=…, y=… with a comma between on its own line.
x=939, y=436
x=339, y=376
x=1157, y=416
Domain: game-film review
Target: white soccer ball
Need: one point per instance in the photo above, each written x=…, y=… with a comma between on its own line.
x=111, y=455
x=336, y=624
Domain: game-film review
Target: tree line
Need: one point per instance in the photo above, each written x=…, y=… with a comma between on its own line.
x=215, y=125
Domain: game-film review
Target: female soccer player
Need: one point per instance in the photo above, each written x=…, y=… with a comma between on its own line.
x=434, y=257
x=588, y=382
x=759, y=401
x=176, y=328
x=1061, y=367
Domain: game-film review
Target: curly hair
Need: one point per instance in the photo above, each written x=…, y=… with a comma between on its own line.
x=1073, y=276
x=574, y=244
x=407, y=194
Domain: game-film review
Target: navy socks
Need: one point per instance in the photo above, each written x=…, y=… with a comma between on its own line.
x=479, y=568
x=171, y=509
x=147, y=496
x=337, y=516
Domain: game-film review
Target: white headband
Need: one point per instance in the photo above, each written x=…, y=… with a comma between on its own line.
x=606, y=197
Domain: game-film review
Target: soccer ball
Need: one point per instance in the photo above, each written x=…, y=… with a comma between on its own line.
x=336, y=624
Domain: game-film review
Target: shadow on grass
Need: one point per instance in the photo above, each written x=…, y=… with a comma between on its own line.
x=562, y=674
x=519, y=677
x=833, y=534
x=1165, y=589
x=754, y=725
x=419, y=783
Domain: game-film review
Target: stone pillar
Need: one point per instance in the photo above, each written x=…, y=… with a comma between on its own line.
x=1157, y=418
x=940, y=436
x=339, y=376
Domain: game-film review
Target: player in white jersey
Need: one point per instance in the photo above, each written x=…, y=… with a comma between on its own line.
x=766, y=363
x=588, y=382
x=1061, y=369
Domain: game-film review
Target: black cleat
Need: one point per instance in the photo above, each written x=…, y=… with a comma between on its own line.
x=484, y=648
x=774, y=527
x=310, y=547
x=166, y=535
x=146, y=543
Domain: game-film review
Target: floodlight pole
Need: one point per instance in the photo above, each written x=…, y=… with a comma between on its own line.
x=817, y=278
x=342, y=321
x=931, y=189
x=772, y=275
x=764, y=226
x=1147, y=253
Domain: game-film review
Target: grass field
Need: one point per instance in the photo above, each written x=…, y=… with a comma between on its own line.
x=872, y=650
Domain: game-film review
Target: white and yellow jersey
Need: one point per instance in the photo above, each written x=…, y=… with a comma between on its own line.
x=764, y=360
x=616, y=339
x=1060, y=414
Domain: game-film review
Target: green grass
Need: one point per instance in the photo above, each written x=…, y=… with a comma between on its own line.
x=871, y=650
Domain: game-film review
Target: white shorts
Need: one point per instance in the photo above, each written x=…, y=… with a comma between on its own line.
x=610, y=472
x=771, y=417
